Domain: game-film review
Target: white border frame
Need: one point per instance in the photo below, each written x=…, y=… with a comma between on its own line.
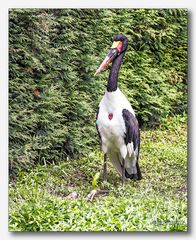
x=190, y=5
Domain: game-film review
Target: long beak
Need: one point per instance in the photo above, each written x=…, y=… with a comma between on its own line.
x=108, y=59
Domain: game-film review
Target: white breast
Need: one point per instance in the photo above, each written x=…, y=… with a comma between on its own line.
x=113, y=131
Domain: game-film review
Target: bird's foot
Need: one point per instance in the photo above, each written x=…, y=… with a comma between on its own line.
x=72, y=196
x=94, y=193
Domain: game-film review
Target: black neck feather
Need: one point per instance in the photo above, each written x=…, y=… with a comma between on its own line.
x=113, y=76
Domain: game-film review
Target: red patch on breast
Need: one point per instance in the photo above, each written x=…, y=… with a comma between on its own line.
x=110, y=116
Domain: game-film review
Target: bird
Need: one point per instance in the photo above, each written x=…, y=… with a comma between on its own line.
x=116, y=121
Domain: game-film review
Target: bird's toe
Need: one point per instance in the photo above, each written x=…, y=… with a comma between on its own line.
x=92, y=194
x=72, y=196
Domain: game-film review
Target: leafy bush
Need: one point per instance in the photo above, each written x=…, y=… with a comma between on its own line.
x=53, y=54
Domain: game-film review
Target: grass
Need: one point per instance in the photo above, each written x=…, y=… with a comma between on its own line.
x=156, y=203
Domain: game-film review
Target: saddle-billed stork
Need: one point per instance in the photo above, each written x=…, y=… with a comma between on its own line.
x=116, y=122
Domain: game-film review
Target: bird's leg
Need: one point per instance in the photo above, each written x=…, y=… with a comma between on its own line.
x=94, y=193
x=105, y=167
x=123, y=171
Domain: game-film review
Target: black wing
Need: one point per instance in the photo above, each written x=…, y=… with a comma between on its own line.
x=132, y=129
x=96, y=123
x=132, y=135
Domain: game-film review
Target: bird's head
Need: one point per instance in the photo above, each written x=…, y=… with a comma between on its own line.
x=119, y=46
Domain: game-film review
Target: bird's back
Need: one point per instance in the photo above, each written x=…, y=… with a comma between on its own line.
x=115, y=102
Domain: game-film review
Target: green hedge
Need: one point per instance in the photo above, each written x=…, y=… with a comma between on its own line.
x=53, y=95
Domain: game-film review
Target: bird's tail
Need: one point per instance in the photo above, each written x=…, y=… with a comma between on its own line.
x=116, y=160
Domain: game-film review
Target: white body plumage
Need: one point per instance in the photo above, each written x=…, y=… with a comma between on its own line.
x=112, y=131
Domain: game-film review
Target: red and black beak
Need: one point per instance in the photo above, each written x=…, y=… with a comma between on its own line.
x=114, y=51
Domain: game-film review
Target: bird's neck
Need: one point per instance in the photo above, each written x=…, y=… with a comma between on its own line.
x=113, y=76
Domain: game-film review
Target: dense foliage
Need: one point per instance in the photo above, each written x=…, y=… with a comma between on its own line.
x=53, y=95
